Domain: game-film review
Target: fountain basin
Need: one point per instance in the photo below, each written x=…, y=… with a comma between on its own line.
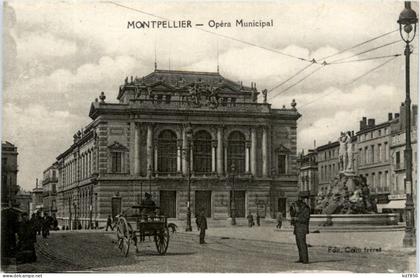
x=355, y=219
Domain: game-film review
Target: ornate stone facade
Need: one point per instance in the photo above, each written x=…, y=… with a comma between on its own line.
x=141, y=144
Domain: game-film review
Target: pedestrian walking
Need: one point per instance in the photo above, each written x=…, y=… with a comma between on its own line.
x=202, y=225
x=250, y=219
x=109, y=223
x=38, y=223
x=45, y=226
x=258, y=219
x=301, y=229
x=279, y=220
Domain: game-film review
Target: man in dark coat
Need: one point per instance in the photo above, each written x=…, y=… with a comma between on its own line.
x=109, y=223
x=202, y=225
x=148, y=205
x=250, y=220
x=26, y=245
x=301, y=229
x=9, y=229
x=45, y=226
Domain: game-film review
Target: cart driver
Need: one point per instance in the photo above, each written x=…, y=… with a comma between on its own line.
x=148, y=205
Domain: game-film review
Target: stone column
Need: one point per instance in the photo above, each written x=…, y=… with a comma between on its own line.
x=179, y=156
x=192, y=158
x=156, y=159
x=226, y=160
x=149, y=147
x=220, y=151
x=184, y=152
x=247, y=147
x=136, y=150
x=213, y=156
x=264, y=153
x=253, y=151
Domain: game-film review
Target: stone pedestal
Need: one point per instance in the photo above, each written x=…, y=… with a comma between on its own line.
x=350, y=184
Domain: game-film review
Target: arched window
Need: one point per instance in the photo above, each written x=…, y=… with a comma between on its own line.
x=167, y=149
x=236, y=151
x=202, y=152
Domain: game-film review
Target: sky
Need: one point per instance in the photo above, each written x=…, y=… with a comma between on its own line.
x=59, y=55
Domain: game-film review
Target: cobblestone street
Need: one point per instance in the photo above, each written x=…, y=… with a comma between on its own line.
x=97, y=251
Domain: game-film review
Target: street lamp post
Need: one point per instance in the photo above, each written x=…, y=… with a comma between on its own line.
x=408, y=25
x=188, y=132
x=233, y=207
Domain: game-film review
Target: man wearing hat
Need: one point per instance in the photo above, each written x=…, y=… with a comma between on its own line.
x=202, y=225
x=148, y=205
x=301, y=229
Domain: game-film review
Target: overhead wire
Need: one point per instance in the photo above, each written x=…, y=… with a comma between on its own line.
x=366, y=59
x=351, y=82
x=359, y=44
x=337, y=61
x=299, y=81
x=291, y=77
x=217, y=34
x=290, y=55
x=365, y=51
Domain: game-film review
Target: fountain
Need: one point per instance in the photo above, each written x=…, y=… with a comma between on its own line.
x=348, y=199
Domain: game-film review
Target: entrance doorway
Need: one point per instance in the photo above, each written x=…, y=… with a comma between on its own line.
x=116, y=206
x=239, y=203
x=168, y=203
x=203, y=200
x=282, y=206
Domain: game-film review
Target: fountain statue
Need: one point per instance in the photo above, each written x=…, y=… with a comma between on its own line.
x=347, y=192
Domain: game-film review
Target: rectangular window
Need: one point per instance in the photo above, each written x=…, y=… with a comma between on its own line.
x=379, y=133
x=373, y=182
x=53, y=188
x=366, y=155
x=372, y=157
x=380, y=153
x=282, y=163
x=116, y=161
x=386, y=151
x=397, y=160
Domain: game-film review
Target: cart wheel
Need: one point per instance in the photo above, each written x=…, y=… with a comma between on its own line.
x=162, y=241
x=124, y=233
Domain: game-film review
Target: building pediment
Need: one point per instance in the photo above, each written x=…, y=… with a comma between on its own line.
x=116, y=146
x=282, y=149
x=161, y=86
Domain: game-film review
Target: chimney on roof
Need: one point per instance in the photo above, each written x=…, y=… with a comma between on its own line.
x=363, y=123
x=389, y=116
x=371, y=122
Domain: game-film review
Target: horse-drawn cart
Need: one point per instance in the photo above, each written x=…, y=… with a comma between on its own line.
x=150, y=225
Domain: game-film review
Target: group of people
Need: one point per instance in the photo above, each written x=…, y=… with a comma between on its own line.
x=43, y=225
x=250, y=219
x=299, y=213
x=19, y=233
